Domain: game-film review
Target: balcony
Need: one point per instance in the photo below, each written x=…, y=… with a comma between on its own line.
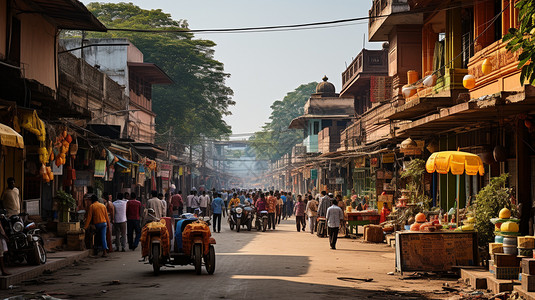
x=386, y=14
x=505, y=77
x=368, y=63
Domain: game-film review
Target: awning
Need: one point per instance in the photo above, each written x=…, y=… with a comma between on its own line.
x=299, y=122
x=150, y=72
x=10, y=138
x=124, y=160
x=69, y=14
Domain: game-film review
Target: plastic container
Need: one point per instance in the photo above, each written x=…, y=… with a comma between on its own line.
x=498, y=239
x=510, y=240
x=510, y=249
x=412, y=76
x=407, y=227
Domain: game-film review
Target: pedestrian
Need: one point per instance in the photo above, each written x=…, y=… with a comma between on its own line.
x=11, y=198
x=272, y=209
x=299, y=212
x=189, y=198
x=195, y=202
x=280, y=204
x=334, y=218
x=204, y=199
x=133, y=210
x=312, y=213
x=156, y=204
x=164, y=203
x=324, y=204
x=177, y=204
x=341, y=203
x=119, y=222
x=284, y=208
x=3, y=248
x=242, y=197
x=98, y=216
x=217, y=209
x=289, y=204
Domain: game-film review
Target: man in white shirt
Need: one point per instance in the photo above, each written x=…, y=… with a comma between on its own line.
x=203, y=202
x=11, y=198
x=195, y=202
x=188, y=201
x=156, y=204
x=119, y=221
x=164, y=203
x=334, y=217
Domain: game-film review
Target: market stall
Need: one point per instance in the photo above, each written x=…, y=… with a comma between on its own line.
x=361, y=218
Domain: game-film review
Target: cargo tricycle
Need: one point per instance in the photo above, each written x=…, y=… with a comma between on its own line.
x=190, y=244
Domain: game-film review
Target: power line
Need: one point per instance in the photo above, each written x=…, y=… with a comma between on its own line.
x=302, y=26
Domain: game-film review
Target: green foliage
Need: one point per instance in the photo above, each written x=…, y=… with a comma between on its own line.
x=414, y=172
x=522, y=39
x=197, y=101
x=489, y=201
x=276, y=139
x=65, y=201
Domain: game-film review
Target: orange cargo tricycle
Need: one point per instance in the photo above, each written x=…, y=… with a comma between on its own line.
x=191, y=243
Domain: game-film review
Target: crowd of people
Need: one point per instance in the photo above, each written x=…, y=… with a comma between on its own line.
x=118, y=222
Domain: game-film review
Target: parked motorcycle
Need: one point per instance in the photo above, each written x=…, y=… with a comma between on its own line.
x=261, y=220
x=239, y=216
x=25, y=241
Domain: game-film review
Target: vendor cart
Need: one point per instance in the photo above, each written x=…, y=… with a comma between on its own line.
x=361, y=218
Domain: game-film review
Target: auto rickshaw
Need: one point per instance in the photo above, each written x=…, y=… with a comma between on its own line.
x=192, y=243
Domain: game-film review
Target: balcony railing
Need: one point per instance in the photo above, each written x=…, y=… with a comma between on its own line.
x=378, y=6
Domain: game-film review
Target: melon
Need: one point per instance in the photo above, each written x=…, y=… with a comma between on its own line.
x=505, y=213
x=415, y=227
x=509, y=227
x=420, y=218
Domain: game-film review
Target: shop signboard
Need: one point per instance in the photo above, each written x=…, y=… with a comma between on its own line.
x=374, y=162
x=388, y=158
x=339, y=180
x=360, y=162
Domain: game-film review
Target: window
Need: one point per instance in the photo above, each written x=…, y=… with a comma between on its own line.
x=14, y=42
x=316, y=127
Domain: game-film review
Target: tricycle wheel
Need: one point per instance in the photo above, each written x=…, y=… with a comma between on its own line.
x=238, y=225
x=156, y=259
x=209, y=260
x=197, y=253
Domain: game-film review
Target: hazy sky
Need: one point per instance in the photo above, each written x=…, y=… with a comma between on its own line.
x=264, y=67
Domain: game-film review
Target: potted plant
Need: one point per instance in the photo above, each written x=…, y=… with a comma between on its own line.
x=414, y=173
x=64, y=203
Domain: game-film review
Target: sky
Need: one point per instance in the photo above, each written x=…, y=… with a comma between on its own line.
x=264, y=67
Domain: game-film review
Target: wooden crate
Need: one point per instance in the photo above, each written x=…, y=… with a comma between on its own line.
x=75, y=240
x=528, y=266
x=528, y=282
x=63, y=227
x=373, y=234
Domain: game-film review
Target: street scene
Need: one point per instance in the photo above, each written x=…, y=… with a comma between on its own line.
x=370, y=149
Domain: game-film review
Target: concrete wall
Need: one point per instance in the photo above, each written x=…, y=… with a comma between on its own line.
x=38, y=45
x=111, y=60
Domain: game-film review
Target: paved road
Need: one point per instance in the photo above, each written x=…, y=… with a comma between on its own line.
x=284, y=263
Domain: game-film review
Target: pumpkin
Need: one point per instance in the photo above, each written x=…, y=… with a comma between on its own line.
x=415, y=227
x=420, y=218
x=424, y=226
x=505, y=213
x=470, y=220
x=509, y=227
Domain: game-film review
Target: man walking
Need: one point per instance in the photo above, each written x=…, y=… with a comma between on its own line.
x=217, y=210
x=334, y=217
x=195, y=202
x=98, y=216
x=133, y=209
x=156, y=204
x=272, y=209
x=188, y=202
x=312, y=212
x=11, y=199
x=325, y=201
x=203, y=202
x=119, y=222
x=177, y=204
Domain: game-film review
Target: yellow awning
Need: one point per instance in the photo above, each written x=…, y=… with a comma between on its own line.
x=9, y=137
x=455, y=161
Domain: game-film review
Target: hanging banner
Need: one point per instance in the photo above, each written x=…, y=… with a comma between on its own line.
x=180, y=171
x=313, y=174
x=388, y=158
x=100, y=168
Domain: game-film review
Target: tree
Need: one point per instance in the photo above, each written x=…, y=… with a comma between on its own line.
x=194, y=105
x=523, y=38
x=275, y=139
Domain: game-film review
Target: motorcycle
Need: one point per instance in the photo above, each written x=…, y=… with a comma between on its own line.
x=239, y=216
x=25, y=241
x=192, y=243
x=261, y=220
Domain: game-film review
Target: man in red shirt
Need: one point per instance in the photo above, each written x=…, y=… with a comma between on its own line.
x=177, y=204
x=272, y=209
x=133, y=209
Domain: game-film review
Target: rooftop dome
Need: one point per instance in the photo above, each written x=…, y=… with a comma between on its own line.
x=325, y=87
